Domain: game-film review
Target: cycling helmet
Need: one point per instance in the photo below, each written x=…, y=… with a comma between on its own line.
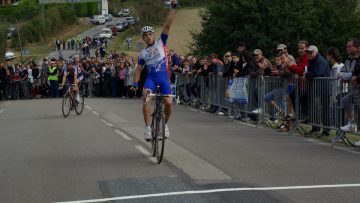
x=147, y=29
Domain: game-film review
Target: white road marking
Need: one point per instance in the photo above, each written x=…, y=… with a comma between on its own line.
x=122, y=134
x=107, y=123
x=189, y=163
x=146, y=153
x=88, y=107
x=216, y=191
x=96, y=113
x=2, y=110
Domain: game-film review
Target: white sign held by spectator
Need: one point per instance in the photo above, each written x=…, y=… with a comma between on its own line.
x=238, y=90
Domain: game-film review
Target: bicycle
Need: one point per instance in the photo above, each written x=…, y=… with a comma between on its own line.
x=69, y=103
x=158, y=125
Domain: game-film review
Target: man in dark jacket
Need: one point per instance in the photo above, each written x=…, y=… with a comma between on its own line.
x=318, y=67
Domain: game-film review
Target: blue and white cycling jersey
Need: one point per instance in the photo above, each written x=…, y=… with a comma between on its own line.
x=77, y=72
x=155, y=59
x=155, y=56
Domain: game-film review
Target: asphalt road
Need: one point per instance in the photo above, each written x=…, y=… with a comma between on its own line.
x=101, y=154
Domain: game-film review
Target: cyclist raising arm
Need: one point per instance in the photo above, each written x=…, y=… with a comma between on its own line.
x=154, y=56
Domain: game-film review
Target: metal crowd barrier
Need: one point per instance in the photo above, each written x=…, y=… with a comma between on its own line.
x=315, y=101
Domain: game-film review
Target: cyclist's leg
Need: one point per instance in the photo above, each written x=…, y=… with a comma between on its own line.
x=77, y=91
x=165, y=88
x=148, y=86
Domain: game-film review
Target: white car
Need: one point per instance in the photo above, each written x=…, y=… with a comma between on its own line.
x=9, y=55
x=124, y=12
x=106, y=33
x=98, y=19
x=130, y=20
x=119, y=27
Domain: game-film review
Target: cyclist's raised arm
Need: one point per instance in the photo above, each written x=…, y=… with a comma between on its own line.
x=170, y=17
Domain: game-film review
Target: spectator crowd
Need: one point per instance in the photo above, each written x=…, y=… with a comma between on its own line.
x=111, y=74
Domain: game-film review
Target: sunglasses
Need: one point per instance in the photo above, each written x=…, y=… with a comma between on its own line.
x=227, y=55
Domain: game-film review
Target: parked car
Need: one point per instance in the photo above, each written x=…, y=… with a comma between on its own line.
x=125, y=24
x=113, y=29
x=108, y=17
x=124, y=12
x=106, y=33
x=9, y=55
x=130, y=20
x=119, y=27
x=97, y=19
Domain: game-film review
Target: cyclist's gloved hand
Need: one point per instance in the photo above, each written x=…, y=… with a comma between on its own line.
x=174, y=4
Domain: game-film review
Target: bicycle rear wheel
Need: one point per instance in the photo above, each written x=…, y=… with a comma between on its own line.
x=160, y=137
x=66, y=105
x=153, y=135
x=79, y=106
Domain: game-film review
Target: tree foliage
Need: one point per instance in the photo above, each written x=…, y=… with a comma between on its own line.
x=264, y=24
x=3, y=38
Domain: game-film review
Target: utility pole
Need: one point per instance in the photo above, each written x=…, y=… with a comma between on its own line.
x=18, y=31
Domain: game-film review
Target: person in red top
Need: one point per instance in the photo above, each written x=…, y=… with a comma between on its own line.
x=299, y=69
x=303, y=60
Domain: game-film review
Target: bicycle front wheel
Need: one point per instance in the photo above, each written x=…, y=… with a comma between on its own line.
x=160, y=137
x=66, y=105
x=79, y=107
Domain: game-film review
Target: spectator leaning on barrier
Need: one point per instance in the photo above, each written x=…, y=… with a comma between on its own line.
x=334, y=59
x=287, y=71
x=235, y=66
x=283, y=48
x=215, y=69
x=262, y=67
x=351, y=64
x=319, y=67
x=226, y=61
x=303, y=60
x=216, y=66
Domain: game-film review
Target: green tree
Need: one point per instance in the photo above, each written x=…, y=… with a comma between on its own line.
x=264, y=24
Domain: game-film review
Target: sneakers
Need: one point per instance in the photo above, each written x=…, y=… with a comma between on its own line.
x=350, y=127
x=147, y=133
x=220, y=113
x=257, y=111
x=167, y=132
